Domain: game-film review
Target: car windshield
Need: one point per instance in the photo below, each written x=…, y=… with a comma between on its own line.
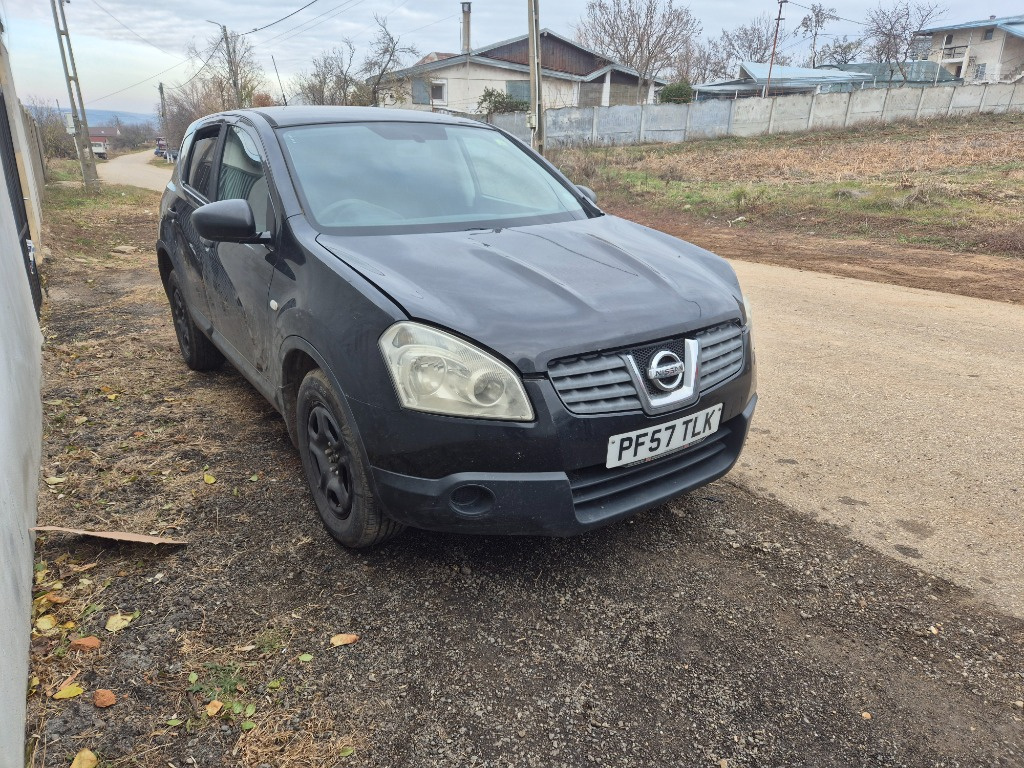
x=389, y=177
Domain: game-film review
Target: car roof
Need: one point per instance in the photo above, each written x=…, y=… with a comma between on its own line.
x=283, y=117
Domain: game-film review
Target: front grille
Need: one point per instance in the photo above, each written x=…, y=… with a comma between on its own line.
x=597, y=489
x=721, y=354
x=600, y=383
x=594, y=384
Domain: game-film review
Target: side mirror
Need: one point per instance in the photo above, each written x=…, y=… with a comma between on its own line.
x=228, y=221
x=588, y=193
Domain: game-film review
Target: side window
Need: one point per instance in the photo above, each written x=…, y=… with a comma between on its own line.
x=180, y=167
x=199, y=173
x=242, y=176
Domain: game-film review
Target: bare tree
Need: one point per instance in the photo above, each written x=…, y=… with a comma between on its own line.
x=647, y=35
x=891, y=31
x=843, y=51
x=57, y=142
x=813, y=23
x=333, y=78
x=231, y=69
x=386, y=56
x=752, y=41
x=188, y=102
x=701, y=61
x=132, y=135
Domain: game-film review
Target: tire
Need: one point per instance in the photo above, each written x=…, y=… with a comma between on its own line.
x=335, y=470
x=197, y=350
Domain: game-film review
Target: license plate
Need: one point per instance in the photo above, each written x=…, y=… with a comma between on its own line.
x=649, y=443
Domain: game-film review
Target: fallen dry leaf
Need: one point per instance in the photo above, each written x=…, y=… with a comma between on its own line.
x=46, y=623
x=90, y=643
x=209, y=479
x=118, y=621
x=85, y=759
x=83, y=568
x=214, y=707
x=53, y=597
x=68, y=680
x=103, y=698
x=344, y=639
x=80, y=420
x=69, y=692
x=136, y=538
x=54, y=480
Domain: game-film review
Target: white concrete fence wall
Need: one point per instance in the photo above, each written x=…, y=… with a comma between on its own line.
x=575, y=126
x=20, y=439
x=20, y=435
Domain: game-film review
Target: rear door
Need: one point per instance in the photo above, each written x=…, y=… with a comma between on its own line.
x=238, y=275
x=198, y=182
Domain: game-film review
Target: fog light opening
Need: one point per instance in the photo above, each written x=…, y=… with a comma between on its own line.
x=471, y=500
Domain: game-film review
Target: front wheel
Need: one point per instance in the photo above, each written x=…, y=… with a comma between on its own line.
x=335, y=470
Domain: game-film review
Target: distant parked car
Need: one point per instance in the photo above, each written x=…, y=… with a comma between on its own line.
x=457, y=336
x=99, y=149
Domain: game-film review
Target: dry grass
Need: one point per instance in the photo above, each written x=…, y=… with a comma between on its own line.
x=948, y=184
x=880, y=154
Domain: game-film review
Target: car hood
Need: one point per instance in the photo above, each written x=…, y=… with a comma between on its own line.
x=534, y=294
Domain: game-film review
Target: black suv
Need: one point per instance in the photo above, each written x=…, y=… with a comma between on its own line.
x=458, y=338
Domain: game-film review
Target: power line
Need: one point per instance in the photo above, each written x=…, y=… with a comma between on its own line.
x=162, y=72
x=837, y=18
x=148, y=42
x=438, y=21
x=196, y=73
x=141, y=82
x=344, y=6
x=392, y=10
x=267, y=26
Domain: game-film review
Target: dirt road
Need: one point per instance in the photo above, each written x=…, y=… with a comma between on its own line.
x=135, y=170
x=897, y=414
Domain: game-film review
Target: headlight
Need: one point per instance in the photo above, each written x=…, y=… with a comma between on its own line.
x=746, y=310
x=436, y=372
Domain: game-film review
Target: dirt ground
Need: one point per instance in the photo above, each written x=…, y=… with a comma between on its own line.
x=1000, y=278
x=721, y=630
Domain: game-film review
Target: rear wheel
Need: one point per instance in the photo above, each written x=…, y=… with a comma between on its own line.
x=197, y=350
x=335, y=470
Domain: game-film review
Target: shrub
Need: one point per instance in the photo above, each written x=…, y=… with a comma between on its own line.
x=676, y=93
x=494, y=100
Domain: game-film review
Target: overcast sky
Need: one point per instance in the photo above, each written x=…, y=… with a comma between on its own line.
x=112, y=59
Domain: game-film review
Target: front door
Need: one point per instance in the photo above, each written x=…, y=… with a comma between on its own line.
x=238, y=275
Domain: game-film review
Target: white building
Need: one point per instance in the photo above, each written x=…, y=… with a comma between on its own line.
x=987, y=51
x=572, y=76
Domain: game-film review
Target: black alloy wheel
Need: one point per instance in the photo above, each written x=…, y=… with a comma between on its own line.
x=335, y=469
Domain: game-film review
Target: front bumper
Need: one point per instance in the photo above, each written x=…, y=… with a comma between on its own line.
x=545, y=477
x=558, y=503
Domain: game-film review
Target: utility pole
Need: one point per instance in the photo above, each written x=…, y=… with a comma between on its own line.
x=775, y=44
x=82, y=142
x=535, y=118
x=232, y=62
x=163, y=110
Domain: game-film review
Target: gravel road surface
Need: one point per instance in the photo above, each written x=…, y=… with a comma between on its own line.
x=135, y=170
x=896, y=413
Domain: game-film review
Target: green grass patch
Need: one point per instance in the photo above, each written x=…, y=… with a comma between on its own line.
x=70, y=198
